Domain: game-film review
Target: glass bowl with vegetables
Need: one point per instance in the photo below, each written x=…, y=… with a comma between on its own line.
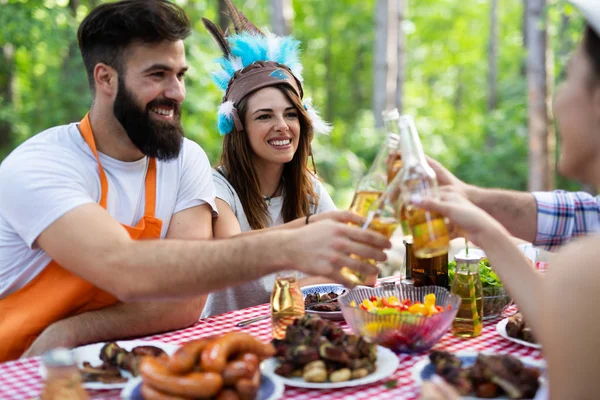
x=403, y=318
x=495, y=298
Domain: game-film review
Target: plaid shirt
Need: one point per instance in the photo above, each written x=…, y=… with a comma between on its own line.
x=564, y=215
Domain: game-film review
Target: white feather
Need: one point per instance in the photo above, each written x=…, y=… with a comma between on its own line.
x=222, y=75
x=226, y=108
x=273, y=45
x=236, y=63
x=319, y=126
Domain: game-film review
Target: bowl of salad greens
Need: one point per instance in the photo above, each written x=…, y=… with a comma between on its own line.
x=495, y=298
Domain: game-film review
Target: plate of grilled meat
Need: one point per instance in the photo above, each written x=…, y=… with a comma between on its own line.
x=110, y=365
x=516, y=330
x=321, y=300
x=484, y=376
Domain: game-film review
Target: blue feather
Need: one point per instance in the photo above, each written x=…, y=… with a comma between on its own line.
x=248, y=48
x=288, y=53
x=225, y=124
x=226, y=65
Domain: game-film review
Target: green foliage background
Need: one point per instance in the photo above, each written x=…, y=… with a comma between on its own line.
x=446, y=79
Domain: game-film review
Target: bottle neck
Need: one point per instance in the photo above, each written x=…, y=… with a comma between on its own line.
x=412, y=150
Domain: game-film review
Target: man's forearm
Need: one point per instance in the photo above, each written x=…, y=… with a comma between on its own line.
x=517, y=211
x=125, y=320
x=194, y=267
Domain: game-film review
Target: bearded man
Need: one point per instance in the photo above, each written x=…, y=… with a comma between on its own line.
x=82, y=205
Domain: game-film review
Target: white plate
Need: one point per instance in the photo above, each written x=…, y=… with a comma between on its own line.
x=91, y=353
x=324, y=289
x=423, y=369
x=386, y=365
x=501, y=329
x=271, y=388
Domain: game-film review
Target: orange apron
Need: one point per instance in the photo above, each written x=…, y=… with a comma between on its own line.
x=56, y=293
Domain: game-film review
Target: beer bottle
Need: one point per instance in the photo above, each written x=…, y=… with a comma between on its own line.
x=385, y=166
x=371, y=187
x=418, y=180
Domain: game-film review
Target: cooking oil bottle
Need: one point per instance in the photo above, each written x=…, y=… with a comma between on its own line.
x=467, y=284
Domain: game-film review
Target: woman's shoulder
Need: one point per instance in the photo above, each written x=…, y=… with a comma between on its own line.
x=222, y=184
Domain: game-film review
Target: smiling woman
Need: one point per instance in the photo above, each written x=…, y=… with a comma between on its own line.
x=263, y=180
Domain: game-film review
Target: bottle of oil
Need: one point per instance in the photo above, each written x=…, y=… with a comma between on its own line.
x=63, y=380
x=467, y=284
x=287, y=302
x=385, y=166
x=417, y=179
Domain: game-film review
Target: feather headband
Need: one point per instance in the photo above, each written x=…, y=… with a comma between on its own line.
x=253, y=60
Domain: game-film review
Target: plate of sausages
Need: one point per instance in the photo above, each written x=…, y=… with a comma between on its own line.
x=225, y=367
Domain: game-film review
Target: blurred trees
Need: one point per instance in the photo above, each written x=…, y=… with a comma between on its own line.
x=447, y=77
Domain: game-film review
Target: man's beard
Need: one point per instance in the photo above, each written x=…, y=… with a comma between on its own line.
x=154, y=138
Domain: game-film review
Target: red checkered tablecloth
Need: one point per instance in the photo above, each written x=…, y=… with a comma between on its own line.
x=20, y=379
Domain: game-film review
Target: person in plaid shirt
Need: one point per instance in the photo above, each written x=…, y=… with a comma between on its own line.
x=563, y=215
x=546, y=219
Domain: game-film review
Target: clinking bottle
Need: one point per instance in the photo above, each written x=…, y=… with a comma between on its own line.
x=418, y=180
x=385, y=166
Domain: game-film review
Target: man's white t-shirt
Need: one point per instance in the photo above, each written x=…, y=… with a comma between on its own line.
x=55, y=172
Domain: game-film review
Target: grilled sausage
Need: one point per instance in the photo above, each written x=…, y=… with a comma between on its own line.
x=237, y=369
x=194, y=384
x=214, y=357
x=248, y=388
x=187, y=356
x=149, y=393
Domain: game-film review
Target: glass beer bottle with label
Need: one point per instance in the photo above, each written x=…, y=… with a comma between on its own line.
x=371, y=187
x=287, y=302
x=418, y=180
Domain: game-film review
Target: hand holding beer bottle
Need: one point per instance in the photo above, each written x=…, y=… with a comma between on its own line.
x=371, y=187
x=418, y=180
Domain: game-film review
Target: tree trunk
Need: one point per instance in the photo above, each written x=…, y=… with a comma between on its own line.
x=379, y=58
x=524, y=31
x=492, y=56
x=490, y=139
x=73, y=4
x=282, y=13
x=330, y=73
x=541, y=139
x=386, y=57
x=400, y=55
x=391, y=53
x=7, y=84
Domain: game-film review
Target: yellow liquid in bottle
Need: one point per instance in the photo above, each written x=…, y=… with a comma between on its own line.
x=385, y=226
x=362, y=201
x=394, y=166
x=287, y=304
x=430, y=235
x=469, y=319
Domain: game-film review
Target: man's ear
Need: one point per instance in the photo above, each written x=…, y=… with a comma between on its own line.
x=106, y=80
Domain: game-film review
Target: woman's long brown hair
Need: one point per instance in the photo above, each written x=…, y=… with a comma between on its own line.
x=297, y=178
